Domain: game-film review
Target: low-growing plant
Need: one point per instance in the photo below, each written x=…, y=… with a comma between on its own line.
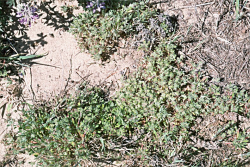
x=72, y=130
x=69, y=131
x=161, y=104
x=99, y=33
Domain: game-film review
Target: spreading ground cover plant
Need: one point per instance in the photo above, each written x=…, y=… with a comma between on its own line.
x=161, y=104
x=62, y=134
x=99, y=33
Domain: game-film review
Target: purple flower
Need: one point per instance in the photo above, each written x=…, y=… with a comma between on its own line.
x=90, y=4
x=33, y=9
x=27, y=14
x=19, y=14
x=100, y=6
x=23, y=20
x=96, y=5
